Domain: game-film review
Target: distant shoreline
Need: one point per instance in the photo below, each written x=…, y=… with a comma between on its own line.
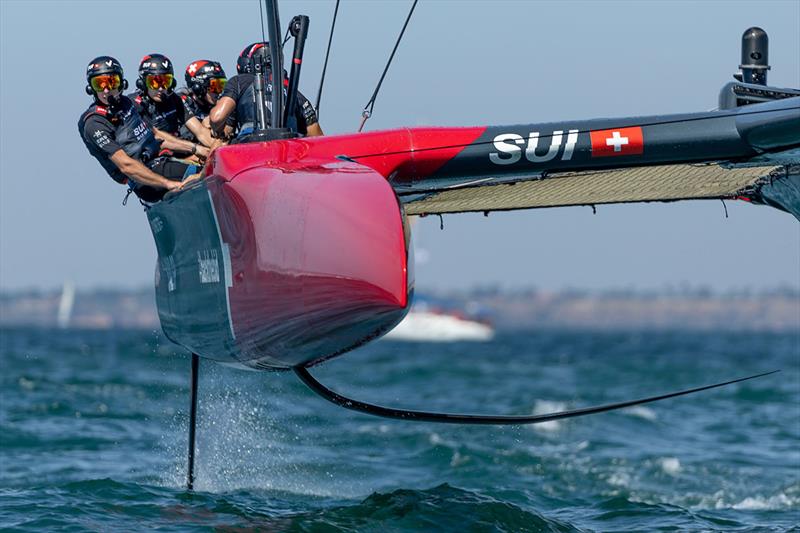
x=776, y=310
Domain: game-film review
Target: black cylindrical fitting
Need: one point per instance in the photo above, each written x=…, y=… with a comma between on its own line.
x=755, y=56
x=259, y=90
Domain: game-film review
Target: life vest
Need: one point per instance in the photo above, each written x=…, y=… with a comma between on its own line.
x=166, y=116
x=131, y=133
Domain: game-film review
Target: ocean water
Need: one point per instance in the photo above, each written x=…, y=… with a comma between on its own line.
x=93, y=431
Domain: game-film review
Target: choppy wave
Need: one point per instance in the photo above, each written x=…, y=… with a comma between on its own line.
x=93, y=437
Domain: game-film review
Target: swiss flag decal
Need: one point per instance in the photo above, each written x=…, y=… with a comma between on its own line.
x=621, y=141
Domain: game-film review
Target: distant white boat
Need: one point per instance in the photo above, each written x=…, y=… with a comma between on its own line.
x=65, y=305
x=432, y=326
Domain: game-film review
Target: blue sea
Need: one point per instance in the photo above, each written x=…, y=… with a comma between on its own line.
x=93, y=436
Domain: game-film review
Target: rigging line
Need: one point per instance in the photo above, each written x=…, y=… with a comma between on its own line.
x=371, y=104
x=548, y=135
x=459, y=418
x=261, y=12
x=327, y=53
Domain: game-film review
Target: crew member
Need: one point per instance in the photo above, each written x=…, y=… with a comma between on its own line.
x=205, y=81
x=238, y=97
x=117, y=136
x=161, y=107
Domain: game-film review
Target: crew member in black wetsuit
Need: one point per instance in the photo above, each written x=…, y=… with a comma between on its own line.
x=205, y=81
x=117, y=136
x=238, y=97
x=163, y=110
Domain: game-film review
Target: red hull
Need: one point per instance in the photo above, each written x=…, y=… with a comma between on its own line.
x=286, y=254
x=318, y=259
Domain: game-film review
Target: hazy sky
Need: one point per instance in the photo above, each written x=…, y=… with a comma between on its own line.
x=461, y=63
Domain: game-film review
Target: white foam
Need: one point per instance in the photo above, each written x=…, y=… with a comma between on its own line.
x=437, y=440
x=373, y=429
x=26, y=384
x=670, y=465
x=642, y=412
x=620, y=479
x=546, y=406
x=457, y=459
x=759, y=503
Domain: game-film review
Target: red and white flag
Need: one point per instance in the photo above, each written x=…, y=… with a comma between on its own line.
x=621, y=141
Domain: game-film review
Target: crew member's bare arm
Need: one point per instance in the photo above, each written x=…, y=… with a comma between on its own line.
x=202, y=133
x=228, y=131
x=139, y=173
x=314, y=130
x=220, y=113
x=170, y=142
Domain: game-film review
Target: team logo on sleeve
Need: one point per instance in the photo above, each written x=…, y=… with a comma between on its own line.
x=101, y=138
x=622, y=141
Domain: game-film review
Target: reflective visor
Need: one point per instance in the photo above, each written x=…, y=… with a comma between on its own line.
x=106, y=81
x=159, y=81
x=217, y=85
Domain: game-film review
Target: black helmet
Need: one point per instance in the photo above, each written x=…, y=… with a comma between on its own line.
x=103, y=65
x=255, y=50
x=199, y=74
x=154, y=65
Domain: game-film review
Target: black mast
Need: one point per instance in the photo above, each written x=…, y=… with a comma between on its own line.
x=276, y=60
x=275, y=128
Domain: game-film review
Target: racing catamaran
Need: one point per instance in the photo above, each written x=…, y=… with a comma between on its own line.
x=291, y=251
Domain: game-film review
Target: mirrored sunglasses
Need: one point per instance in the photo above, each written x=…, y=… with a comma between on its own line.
x=105, y=81
x=217, y=85
x=158, y=81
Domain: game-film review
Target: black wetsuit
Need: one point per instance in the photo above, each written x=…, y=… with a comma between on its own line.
x=241, y=89
x=106, y=130
x=168, y=115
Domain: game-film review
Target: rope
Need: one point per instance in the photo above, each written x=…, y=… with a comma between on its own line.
x=327, y=54
x=371, y=104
